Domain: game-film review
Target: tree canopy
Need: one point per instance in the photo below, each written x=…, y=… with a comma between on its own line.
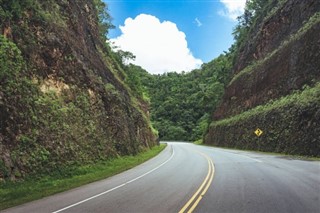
x=181, y=103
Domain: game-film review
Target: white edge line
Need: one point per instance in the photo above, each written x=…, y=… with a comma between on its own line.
x=117, y=187
x=259, y=161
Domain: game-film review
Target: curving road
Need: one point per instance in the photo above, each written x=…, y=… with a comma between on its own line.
x=186, y=177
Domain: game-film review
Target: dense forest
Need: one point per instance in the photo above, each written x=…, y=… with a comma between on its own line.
x=188, y=106
x=182, y=103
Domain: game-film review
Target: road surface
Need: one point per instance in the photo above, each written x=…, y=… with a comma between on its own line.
x=186, y=177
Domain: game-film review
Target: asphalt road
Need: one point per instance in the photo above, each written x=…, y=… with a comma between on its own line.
x=186, y=177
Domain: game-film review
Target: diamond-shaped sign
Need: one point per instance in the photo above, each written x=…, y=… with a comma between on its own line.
x=258, y=132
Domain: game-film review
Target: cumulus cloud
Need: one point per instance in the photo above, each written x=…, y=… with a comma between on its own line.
x=233, y=8
x=158, y=46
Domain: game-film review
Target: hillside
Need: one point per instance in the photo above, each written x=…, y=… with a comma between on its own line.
x=64, y=97
x=275, y=83
x=181, y=103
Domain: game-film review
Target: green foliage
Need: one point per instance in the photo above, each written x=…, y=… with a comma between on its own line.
x=55, y=118
x=17, y=96
x=255, y=12
x=181, y=103
x=290, y=125
x=198, y=142
x=11, y=61
x=3, y=169
x=74, y=132
x=298, y=98
x=104, y=18
x=133, y=80
x=124, y=56
x=17, y=14
x=110, y=89
x=15, y=193
x=202, y=126
x=50, y=11
x=315, y=19
x=16, y=90
x=11, y=10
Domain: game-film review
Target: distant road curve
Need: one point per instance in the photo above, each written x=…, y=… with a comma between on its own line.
x=190, y=178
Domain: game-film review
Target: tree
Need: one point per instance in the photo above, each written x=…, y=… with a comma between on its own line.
x=181, y=102
x=105, y=19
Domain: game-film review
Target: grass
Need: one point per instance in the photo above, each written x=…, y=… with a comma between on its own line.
x=304, y=97
x=15, y=193
x=198, y=142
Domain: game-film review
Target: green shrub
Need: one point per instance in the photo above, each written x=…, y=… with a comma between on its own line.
x=290, y=125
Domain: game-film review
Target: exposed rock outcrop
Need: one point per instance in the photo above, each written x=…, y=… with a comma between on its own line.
x=64, y=102
x=281, y=56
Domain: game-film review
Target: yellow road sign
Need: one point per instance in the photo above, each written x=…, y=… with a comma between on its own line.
x=258, y=132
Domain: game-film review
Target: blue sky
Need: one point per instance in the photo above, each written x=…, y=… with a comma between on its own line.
x=205, y=25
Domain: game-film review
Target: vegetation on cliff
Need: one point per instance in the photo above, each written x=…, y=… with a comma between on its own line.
x=275, y=83
x=64, y=97
x=289, y=124
x=261, y=66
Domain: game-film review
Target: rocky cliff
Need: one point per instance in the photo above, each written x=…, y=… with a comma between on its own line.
x=274, y=86
x=63, y=96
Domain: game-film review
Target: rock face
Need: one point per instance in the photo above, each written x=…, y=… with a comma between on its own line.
x=63, y=100
x=275, y=29
x=282, y=56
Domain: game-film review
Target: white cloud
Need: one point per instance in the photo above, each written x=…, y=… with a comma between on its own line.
x=158, y=46
x=198, y=22
x=234, y=8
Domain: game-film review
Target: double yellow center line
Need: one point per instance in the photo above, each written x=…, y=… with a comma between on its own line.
x=195, y=199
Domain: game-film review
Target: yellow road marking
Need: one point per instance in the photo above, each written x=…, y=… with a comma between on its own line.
x=203, y=188
x=204, y=191
x=197, y=192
